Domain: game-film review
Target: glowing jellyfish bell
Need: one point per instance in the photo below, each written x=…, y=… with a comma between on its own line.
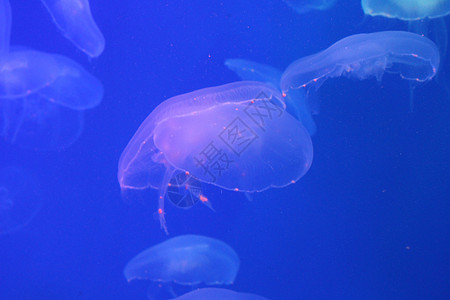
x=411, y=56
x=407, y=10
x=236, y=136
x=42, y=95
x=74, y=19
x=186, y=260
x=216, y=293
x=304, y=6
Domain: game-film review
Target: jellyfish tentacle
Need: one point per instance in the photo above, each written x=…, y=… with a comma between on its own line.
x=162, y=194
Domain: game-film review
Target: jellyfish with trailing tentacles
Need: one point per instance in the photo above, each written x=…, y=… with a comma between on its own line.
x=74, y=19
x=413, y=57
x=236, y=136
x=424, y=17
x=217, y=293
x=20, y=198
x=42, y=95
x=297, y=102
x=187, y=260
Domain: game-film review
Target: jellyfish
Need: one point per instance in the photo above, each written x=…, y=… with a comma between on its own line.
x=187, y=260
x=42, y=99
x=218, y=294
x=406, y=10
x=423, y=17
x=304, y=6
x=42, y=95
x=413, y=57
x=74, y=19
x=297, y=102
x=20, y=198
x=237, y=136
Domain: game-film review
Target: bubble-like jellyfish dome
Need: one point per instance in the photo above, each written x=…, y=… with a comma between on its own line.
x=407, y=10
x=186, y=260
x=361, y=56
x=53, y=77
x=236, y=136
x=218, y=294
x=74, y=19
x=41, y=94
x=20, y=198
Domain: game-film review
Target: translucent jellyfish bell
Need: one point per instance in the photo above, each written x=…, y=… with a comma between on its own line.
x=406, y=9
x=304, y=6
x=218, y=294
x=42, y=95
x=237, y=136
x=74, y=19
x=54, y=77
x=186, y=260
x=361, y=56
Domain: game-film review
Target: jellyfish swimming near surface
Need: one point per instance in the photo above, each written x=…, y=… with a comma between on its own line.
x=297, y=102
x=411, y=56
x=237, y=136
x=74, y=19
x=20, y=198
x=218, y=294
x=187, y=260
x=42, y=95
x=304, y=6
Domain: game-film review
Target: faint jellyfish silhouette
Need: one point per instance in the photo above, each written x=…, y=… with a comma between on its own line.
x=35, y=123
x=235, y=136
x=20, y=198
x=74, y=19
x=41, y=95
x=54, y=77
x=297, y=102
x=413, y=57
x=406, y=10
x=187, y=260
x=304, y=6
x=218, y=294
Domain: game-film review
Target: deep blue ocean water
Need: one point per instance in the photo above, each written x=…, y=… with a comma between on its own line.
x=370, y=220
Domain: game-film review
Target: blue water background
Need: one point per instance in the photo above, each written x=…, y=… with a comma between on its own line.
x=370, y=220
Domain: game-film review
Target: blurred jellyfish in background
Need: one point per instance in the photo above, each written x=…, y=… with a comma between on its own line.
x=361, y=56
x=42, y=95
x=218, y=294
x=297, y=102
x=304, y=6
x=74, y=19
x=236, y=136
x=424, y=17
x=20, y=198
x=187, y=260
x=406, y=9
